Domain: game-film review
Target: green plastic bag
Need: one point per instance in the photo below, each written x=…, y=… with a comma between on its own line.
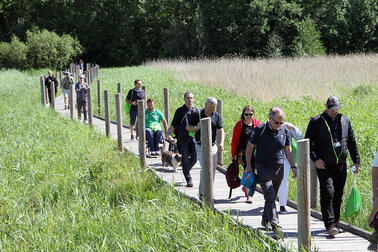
x=127, y=108
x=354, y=203
x=294, y=148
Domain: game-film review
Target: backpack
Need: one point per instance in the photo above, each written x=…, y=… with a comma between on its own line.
x=232, y=176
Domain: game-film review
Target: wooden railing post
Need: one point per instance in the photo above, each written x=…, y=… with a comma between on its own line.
x=166, y=104
x=90, y=111
x=142, y=134
x=43, y=96
x=118, y=98
x=72, y=89
x=314, y=187
x=207, y=162
x=119, y=87
x=303, y=195
x=145, y=99
x=52, y=89
x=218, y=140
x=87, y=77
x=99, y=97
x=107, y=112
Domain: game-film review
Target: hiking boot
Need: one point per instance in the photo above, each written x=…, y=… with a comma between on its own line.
x=189, y=183
x=332, y=230
x=283, y=210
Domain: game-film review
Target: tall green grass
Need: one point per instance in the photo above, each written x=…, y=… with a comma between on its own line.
x=65, y=187
x=359, y=104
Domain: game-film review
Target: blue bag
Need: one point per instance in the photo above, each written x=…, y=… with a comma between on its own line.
x=249, y=180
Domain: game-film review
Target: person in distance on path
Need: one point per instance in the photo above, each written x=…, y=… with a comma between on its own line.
x=133, y=96
x=49, y=82
x=184, y=140
x=81, y=89
x=271, y=140
x=66, y=83
x=331, y=137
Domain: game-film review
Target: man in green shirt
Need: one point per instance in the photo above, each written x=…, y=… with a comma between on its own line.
x=154, y=132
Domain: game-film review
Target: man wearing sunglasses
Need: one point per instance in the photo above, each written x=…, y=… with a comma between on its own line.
x=271, y=140
x=331, y=137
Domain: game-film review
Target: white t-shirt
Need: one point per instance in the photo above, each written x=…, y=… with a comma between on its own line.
x=375, y=163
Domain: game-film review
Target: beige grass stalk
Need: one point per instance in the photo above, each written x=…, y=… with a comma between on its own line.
x=266, y=79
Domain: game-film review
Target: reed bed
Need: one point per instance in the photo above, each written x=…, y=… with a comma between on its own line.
x=268, y=79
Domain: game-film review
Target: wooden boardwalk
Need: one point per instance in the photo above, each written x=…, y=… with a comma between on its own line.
x=248, y=214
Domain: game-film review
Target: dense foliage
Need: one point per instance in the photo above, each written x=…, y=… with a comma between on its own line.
x=41, y=49
x=116, y=33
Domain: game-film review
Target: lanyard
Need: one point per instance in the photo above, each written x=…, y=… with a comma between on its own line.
x=333, y=147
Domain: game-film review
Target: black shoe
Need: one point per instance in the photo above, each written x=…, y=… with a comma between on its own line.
x=265, y=224
x=332, y=230
x=189, y=183
x=132, y=137
x=283, y=210
x=277, y=232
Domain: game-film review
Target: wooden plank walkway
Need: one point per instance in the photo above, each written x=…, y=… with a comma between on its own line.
x=248, y=214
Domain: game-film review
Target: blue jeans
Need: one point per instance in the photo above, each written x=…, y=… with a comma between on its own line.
x=154, y=139
x=189, y=156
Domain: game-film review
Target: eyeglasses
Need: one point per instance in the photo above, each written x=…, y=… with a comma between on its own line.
x=246, y=114
x=277, y=123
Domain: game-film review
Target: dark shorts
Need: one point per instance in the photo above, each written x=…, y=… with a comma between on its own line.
x=133, y=116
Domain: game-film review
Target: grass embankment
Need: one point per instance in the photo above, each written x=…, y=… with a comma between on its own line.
x=359, y=103
x=65, y=187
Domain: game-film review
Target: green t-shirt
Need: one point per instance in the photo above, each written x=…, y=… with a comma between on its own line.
x=153, y=119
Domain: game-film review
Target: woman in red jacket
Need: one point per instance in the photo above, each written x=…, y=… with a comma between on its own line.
x=242, y=132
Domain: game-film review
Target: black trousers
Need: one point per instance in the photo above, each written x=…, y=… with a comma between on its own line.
x=270, y=178
x=82, y=104
x=332, y=181
x=49, y=94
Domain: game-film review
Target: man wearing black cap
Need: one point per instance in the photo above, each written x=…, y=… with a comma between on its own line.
x=331, y=137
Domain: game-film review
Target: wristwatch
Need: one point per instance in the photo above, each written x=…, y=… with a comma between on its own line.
x=291, y=167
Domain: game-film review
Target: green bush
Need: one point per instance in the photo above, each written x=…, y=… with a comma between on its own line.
x=49, y=50
x=308, y=42
x=13, y=54
x=42, y=49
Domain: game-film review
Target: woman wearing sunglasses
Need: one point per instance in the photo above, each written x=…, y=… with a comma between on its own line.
x=242, y=133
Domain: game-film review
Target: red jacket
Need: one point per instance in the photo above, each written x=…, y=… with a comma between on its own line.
x=236, y=135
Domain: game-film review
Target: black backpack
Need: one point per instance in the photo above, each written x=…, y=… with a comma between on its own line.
x=232, y=176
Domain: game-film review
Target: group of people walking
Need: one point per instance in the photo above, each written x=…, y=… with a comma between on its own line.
x=81, y=89
x=264, y=148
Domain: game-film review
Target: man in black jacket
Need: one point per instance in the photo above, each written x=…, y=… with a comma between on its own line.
x=49, y=82
x=184, y=141
x=331, y=137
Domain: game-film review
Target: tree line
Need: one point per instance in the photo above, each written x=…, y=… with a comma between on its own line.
x=128, y=32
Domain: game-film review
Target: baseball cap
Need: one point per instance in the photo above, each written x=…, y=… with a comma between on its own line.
x=333, y=103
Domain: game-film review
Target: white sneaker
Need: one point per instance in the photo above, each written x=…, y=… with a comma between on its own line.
x=85, y=121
